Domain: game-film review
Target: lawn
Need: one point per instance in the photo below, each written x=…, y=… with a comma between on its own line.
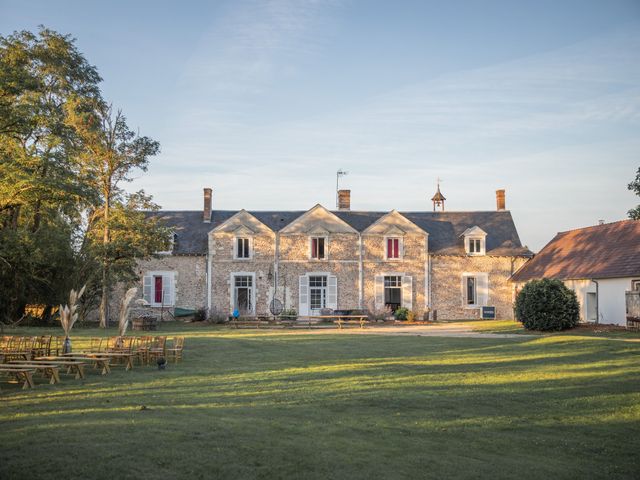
x=258, y=404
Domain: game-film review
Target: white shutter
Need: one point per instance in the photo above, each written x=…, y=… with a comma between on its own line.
x=482, y=289
x=407, y=292
x=303, y=295
x=379, y=291
x=332, y=292
x=146, y=288
x=167, y=290
x=464, y=290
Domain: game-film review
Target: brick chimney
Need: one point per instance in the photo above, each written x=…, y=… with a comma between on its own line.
x=500, y=200
x=344, y=199
x=206, y=214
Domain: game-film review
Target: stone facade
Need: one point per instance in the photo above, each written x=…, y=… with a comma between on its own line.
x=250, y=258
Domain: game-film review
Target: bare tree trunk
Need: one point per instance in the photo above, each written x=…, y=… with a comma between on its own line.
x=104, y=300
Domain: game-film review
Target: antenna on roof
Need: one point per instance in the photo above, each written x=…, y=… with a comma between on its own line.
x=339, y=173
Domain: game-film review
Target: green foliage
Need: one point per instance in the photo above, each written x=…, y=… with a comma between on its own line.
x=289, y=314
x=547, y=305
x=411, y=316
x=401, y=313
x=634, y=186
x=64, y=218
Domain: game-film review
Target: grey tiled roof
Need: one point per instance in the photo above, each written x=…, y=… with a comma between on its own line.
x=444, y=228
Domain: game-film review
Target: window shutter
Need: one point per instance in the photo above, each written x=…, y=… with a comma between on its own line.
x=379, y=291
x=332, y=292
x=463, y=285
x=407, y=291
x=146, y=289
x=167, y=290
x=303, y=295
x=482, y=287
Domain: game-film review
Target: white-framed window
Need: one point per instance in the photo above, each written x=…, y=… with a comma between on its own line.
x=475, y=290
x=243, y=248
x=475, y=245
x=393, y=248
x=318, y=248
x=317, y=291
x=393, y=290
x=243, y=293
x=158, y=288
x=635, y=284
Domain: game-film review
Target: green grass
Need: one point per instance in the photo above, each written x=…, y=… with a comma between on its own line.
x=583, y=330
x=257, y=404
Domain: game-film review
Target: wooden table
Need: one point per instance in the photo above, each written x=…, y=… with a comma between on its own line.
x=72, y=365
x=128, y=356
x=100, y=360
x=341, y=319
x=48, y=369
x=20, y=373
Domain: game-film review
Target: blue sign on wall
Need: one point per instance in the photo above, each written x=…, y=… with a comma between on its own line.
x=489, y=313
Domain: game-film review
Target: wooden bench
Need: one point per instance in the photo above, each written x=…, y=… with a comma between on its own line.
x=20, y=373
x=72, y=365
x=127, y=356
x=342, y=320
x=98, y=360
x=48, y=370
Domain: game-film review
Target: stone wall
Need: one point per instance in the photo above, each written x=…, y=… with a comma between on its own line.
x=446, y=284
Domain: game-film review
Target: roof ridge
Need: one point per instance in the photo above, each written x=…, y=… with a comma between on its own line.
x=598, y=226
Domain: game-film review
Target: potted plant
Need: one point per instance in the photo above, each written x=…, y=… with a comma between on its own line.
x=68, y=316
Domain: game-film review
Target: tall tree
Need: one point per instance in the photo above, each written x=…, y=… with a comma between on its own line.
x=634, y=186
x=118, y=230
x=41, y=193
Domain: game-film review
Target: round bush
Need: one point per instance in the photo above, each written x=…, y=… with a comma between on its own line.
x=547, y=305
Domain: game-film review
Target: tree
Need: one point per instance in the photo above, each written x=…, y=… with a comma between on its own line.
x=634, y=186
x=118, y=230
x=41, y=194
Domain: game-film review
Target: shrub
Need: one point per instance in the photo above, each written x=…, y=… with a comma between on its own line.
x=547, y=305
x=216, y=316
x=289, y=314
x=401, y=313
x=200, y=315
x=411, y=316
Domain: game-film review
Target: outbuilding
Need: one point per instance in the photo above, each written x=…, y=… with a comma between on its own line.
x=600, y=263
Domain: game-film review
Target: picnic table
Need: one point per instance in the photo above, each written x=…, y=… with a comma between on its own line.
x=128, y=356
x=72, y=365
x=340, y=320
x=20, y=373
x=100, y=360
x=48, y=370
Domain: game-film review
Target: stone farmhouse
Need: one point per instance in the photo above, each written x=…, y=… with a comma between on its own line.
x=451, y=263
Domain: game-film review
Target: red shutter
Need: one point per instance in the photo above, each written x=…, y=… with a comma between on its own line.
x=314, y=248
x=158, y=289
x=395, y=248
x=389, y=248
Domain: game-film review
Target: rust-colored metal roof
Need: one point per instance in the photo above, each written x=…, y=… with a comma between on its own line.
x=602, y=251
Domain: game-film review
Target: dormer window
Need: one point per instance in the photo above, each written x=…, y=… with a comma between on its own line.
x=318, y=248
x=172, y=241
x=474, y=241
x=242, y=250
x=394, y=248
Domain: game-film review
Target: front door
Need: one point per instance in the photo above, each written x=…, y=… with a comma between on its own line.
x=243, y=294
x=317, y=293
x=393, y=292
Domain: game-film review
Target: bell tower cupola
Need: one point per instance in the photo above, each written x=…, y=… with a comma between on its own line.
x=438, y=199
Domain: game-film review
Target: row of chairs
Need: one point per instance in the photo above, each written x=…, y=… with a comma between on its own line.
x=13, y=347
x=21, y=347
x=146, y=348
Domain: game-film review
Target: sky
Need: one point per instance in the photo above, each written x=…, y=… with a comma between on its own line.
x=265, y=100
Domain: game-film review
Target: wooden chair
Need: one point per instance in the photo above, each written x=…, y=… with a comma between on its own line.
x=158, y=348
x=176, y=349
x=95, y=344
